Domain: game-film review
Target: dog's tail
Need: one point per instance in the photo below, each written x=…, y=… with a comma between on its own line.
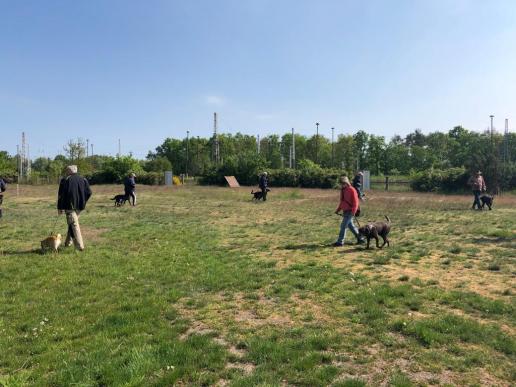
x=388, y=220
x=113, y=198
x=252, y=192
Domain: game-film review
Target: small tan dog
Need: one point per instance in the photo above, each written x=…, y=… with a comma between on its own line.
x=51, y=243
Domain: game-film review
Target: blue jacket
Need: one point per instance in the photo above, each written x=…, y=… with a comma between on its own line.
x=263, y=182
x=129, y=184
x=3, y=186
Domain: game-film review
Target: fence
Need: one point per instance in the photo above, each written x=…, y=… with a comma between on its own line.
x=389, y=184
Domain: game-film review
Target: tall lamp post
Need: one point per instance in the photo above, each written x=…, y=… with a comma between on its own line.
x=187, y=140
x=317, y=143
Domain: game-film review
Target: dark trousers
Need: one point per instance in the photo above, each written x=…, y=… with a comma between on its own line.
x=264, y=193
x=476, y=202
x=131, y=195
x=1, y=201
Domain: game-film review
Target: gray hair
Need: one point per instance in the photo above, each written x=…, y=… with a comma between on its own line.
x=71, y=169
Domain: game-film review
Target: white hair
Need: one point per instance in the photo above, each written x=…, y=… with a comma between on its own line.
x=72, y=169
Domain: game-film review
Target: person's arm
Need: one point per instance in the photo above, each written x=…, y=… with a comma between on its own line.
x=484, y=187
x=87, y=190
x=3, y=186
x=354, y=201
x=60, y=196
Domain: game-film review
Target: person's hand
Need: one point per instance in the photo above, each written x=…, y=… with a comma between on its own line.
x=60, y=212
x=337, y=212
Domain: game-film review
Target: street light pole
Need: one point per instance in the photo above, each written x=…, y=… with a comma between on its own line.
x=187, y=140
x=491, y=116
x=317, y=144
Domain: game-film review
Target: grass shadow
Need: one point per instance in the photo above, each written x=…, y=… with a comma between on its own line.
x=307, y=246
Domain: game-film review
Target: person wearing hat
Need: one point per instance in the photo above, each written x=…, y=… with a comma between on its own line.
x=3, y=187
x=478, y=185
x=264, y=185
x=349, y=206
x=74, y=193
x=130, y=188
x=357, y=184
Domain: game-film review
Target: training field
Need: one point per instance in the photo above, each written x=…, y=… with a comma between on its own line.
x=201, y=286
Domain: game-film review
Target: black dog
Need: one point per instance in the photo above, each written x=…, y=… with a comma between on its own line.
x=120, y=200
x=373, y=230
x=487, y=200
x=258, y=195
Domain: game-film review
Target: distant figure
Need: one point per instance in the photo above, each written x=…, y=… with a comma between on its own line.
x=74, y=193
x=357, y=184
x=264, y=185
x=478, y=185
x=348, y=205
x=130, y=188
x=3, y=187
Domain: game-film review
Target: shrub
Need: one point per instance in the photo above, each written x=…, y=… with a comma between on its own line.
x=437, y=180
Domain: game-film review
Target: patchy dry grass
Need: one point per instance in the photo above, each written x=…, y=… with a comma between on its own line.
x=202, y=286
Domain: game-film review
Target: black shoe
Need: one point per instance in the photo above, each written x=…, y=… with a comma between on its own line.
x=361, y=241
x=337, y=244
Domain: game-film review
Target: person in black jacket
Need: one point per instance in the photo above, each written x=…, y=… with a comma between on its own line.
x=264, y=185
x=74, y=192
x=357, y=184
x=3, y=187
x=130, y=188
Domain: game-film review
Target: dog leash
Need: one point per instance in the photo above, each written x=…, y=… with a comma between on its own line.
x=53, y=229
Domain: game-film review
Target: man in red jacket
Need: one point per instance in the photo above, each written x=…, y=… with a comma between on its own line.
x=349, y=206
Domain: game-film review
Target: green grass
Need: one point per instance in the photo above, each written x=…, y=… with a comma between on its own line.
x=201, y=286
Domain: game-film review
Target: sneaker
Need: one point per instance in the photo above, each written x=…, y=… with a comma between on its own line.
x=337, y=244
x=361, y=241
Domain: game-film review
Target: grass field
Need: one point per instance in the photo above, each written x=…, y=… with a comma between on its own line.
x=200, y=286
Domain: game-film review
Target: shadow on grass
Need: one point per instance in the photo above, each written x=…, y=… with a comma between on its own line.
x=20, y=252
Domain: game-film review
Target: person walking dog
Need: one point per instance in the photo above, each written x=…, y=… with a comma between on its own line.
x=3, y=187
x=264, y=185
x=478, y=185
x=348, y=205
x=130, y=188
x=74, y=193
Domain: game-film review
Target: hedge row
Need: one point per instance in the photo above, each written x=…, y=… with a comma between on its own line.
x=306, y=178
x=438, y=180
x=107, y=177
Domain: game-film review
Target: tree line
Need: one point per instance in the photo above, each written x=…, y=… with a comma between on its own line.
x=244, y=155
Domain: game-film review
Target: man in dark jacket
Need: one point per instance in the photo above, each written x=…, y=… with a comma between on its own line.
x=74, y=192
x=357, y=184
x=130, y=188
x=264, y=185
x=3, y=187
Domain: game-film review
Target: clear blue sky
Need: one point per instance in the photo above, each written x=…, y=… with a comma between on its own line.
x=145, y=70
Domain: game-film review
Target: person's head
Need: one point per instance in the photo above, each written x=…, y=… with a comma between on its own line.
x=264, y=173
x=71, y=170
x=132, y=174
x=361, y=173
x=479, y=173
x=344, y=181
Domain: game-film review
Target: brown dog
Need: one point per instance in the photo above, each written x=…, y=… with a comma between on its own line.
x=373, y=230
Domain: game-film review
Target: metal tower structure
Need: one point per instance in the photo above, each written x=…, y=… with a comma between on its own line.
x=216, y=147
x=293, y=154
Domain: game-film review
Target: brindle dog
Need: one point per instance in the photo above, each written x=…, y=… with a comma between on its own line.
x=373, y=230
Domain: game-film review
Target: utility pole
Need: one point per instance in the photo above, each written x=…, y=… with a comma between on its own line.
x=87, y=147
x=187, y=138
x=506, y=157
x=317, y=144
x=293, y=150
x=119, y=148
x=332, y=148
x=258, y=145
x=491, y=116
x=216, y=149
x=92, y=149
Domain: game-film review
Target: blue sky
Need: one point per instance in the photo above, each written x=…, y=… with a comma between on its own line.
x=145, y=70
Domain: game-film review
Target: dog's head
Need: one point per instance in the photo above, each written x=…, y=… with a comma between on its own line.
x=366, y=230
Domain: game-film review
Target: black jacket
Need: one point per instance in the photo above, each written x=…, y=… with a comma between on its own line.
x=129, y=184
x=3, y=186
x=263, y=182
x=74, y=192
